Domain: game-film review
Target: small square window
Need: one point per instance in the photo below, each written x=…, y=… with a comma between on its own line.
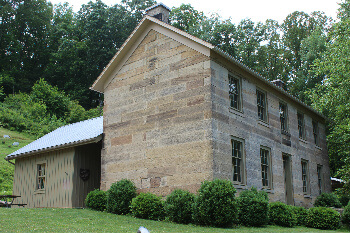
x=235, y=93
x=315, y=131
x=237, y=161
x=41, y=176
x=305, y=176
x=301, y=125
x=283, y=116
x=262, y=106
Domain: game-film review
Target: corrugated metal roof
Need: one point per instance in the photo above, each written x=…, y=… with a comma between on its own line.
x=68, y=135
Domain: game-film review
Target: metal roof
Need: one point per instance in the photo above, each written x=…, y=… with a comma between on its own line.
x=77, y=133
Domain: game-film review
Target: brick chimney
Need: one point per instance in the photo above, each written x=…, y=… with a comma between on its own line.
x=159, y=11
x=279, y=83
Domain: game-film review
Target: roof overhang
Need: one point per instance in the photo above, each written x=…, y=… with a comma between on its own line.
x=53, y=148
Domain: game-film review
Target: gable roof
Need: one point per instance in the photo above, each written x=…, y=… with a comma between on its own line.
x=191, y=41
x=82, y=132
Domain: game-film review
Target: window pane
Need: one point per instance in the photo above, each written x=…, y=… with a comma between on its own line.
x=304, y=176
x=301, y=125
x=283, y=116
x=237, y=162
x=261, y=103
x=41, y=176
x=319, y=177
x=315, y=131
x=234, y=92
x=265, y=172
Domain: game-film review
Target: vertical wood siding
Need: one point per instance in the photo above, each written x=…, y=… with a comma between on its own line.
x=63, y=186
x=59, y=177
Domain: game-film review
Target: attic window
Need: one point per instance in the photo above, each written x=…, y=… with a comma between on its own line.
x=158, y=16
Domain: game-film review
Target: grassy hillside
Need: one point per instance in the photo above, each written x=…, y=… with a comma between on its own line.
x=83, y=220
x=6, y=147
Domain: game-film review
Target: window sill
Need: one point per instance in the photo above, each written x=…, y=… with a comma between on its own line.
x=268, y=190
x=236, y=111
x=240, y=186
x=40, y=191
x=264, y=123
x=302, y=140
x=307, y=195
x=285, y=132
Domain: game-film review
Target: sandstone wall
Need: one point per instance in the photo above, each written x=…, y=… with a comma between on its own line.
x=157, y=118
x=244, y=125
x=168, y=124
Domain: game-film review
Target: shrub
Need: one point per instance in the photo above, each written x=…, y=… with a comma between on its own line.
x=96, y=200
x=327, y=200
x=323, y=218
x=281, y=214
x=300, y=215
x=215, y=204
x=178, y=206
x=147, y=206
x=346, y=215
x=344, y=199
x=253, y=208
x=119, y=197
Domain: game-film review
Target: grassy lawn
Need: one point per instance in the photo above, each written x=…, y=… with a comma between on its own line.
x=83, y=220
x=6, y=147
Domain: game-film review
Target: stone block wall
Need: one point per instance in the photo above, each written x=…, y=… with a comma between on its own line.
x=255, y=134
x=157, y=122
x=168, y=124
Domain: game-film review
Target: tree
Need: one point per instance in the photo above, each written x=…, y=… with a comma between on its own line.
x=296, y=28
x=185, y=17
x=311, y=49
x=270, y=65
x=332, y=96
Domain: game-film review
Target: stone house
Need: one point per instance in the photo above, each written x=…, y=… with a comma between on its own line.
x=178, y=111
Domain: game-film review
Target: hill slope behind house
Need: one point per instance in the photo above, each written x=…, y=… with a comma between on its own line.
x=7, y=147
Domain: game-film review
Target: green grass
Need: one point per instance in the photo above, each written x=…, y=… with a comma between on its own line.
x=6, y=147
x=84, y=220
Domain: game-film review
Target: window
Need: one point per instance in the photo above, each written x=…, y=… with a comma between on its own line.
x=41, y=175
x=237, y=161
x=261, y=103
x=301, y=125
x=235, y=93
x=265, y=168
x=283, y=116
x=315, y=131
x=319, y=178
x=305, y=176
